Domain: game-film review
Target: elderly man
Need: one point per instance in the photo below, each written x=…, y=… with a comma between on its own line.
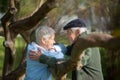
x=89, y=66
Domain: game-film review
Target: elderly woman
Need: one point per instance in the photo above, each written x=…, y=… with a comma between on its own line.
x=44, y=44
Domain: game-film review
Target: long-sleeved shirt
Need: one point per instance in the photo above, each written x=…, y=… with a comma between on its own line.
x=40, y=71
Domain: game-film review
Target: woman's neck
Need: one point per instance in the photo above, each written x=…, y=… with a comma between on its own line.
x=43, y=46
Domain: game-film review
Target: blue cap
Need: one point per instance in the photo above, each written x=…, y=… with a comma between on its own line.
x=74, y=23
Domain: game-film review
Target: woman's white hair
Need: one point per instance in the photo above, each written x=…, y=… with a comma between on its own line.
x=43, y=32
x=82, y=29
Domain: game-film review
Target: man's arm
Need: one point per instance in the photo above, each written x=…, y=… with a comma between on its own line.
x=50, y=61
x=37, y=55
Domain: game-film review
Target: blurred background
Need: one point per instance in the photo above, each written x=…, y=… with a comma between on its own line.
x=99, y=15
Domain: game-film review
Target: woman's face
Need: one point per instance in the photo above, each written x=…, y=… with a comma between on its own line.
x=50, y=41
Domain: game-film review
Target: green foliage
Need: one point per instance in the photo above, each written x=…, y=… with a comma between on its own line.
x=3, y=5
x=20, y=47
x=62, y=39
x=1, y=54
x=28, y=7
x=104, y=58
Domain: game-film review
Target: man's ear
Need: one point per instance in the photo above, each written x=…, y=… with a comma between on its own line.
x=77, y=31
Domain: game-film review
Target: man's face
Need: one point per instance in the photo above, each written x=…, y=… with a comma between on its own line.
x=71, y=35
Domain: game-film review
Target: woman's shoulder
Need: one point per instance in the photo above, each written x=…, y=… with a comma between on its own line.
x=60, y=47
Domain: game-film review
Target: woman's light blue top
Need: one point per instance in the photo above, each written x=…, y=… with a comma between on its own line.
x=38, y=71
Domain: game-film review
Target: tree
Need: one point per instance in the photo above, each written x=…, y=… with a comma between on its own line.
x=12, y=27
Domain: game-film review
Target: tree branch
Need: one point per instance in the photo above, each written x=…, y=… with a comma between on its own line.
x=30, y=22
x=12, y=29
x=9, y=42
x=92, y=40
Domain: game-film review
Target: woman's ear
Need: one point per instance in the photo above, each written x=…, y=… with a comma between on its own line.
x=43, y=40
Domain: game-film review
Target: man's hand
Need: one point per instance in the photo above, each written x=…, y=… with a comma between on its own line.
x=35, y=55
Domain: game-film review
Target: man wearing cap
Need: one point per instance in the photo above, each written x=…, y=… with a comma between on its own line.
x=89, y=66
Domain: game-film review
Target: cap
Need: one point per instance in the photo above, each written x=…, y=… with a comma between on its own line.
x=74, y=23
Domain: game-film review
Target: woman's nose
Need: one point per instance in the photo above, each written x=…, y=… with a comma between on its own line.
x=54, y=41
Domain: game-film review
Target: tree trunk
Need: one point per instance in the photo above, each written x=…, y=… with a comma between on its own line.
x=12, y=30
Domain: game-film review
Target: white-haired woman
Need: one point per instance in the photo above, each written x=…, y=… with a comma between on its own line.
x=44, y=44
